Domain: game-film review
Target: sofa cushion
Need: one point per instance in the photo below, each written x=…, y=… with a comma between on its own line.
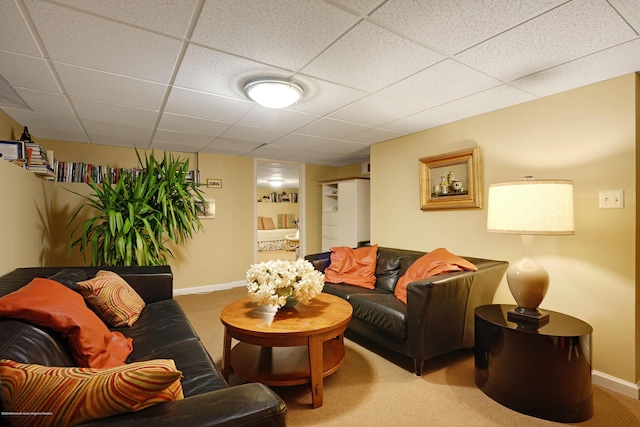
x=70, y=277
x=387, y=270
x=200, y=374
x=26, y=343
x=72, y=395
x=435, y=262
x=111, y=297
x=345, y=291
x=47, y=303
x=352, y=266
x=161, y=325
x=382, y=310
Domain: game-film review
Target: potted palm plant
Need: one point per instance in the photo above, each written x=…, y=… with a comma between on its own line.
x=140, y=216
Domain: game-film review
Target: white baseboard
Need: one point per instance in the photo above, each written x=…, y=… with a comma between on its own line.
x=616, y=384
x=209, y=288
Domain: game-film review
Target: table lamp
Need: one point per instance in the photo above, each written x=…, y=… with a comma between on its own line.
x=530, y=207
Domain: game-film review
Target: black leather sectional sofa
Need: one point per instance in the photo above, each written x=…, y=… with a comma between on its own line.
x=162, y=332
x=439, y=315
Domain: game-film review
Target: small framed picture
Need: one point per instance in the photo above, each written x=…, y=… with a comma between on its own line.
x=208, y=209
x=214, y=183
x=451, y=180
x=11, y=150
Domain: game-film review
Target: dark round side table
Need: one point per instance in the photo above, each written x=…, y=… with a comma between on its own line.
x=544, y=372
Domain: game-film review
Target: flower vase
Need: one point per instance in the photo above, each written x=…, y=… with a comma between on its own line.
x=291, y=302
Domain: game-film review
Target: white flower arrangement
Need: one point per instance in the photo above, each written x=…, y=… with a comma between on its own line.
x=270, y=283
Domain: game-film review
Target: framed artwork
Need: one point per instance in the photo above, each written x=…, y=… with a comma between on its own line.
x=209, y=209
x=11, y=150
x=451, y=180
x=214, y=183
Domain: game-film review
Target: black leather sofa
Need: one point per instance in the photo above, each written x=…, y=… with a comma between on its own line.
x=162, y=332
x=438, y=317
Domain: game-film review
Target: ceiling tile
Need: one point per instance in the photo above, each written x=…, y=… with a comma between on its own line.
x=108, y=87
x=373, y=135
x=285, y=34
x=331, y=128
x=234, y=144
x=59, y=135
x=426, y=119
x=119, y=115
x=192, y=125
x=375, y=110
x=180, y=138
x=272, y=151
x=123, y=49
x=175, y=147
x=268, y=118
x=46, y=102
x=321, y=97
x=107, y=134
x=33, y=119
x=351, y=59
x=485, y=101
x=302, y=142
x=164, y=16
x=444, y=82
x=220, y=73
x=207, y=106
x=343, y=147
x=27, y=72
x=610, y=63
x=250, y=133
x=14, y=33
x=573, y=30
x=436, y=23
x=361, y=6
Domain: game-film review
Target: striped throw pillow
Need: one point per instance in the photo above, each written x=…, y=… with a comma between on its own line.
x=111, y=297
x=36, y=395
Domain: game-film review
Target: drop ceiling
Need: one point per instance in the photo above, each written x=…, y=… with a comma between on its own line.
x=169, y=74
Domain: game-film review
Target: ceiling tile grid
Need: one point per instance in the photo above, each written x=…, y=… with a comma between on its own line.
x=169, y=74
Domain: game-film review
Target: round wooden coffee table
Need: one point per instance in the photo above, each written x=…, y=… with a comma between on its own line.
x=287, y=346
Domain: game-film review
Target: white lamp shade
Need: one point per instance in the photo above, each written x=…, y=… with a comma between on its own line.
x=273, y=93
x=542, y=207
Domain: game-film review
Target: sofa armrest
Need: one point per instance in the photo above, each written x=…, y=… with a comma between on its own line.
x=320, y=260
x=250, y=404
x=436, y=312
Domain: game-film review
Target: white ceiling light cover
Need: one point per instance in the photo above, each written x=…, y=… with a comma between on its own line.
x=273, y=93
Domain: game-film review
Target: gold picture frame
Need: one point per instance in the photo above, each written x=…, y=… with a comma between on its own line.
x=451, y=180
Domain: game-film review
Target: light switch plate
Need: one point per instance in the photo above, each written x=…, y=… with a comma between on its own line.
x=611, y=199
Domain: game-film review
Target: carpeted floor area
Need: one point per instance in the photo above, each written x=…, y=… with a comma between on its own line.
x=373, y=390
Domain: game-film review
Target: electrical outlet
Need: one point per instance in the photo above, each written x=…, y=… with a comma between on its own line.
x=611, y=199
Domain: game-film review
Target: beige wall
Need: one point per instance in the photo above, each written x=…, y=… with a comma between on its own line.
x=587, y=135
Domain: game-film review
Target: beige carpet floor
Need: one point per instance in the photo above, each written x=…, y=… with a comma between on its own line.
x=373, y=390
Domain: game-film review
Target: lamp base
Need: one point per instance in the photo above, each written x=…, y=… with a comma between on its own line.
x=526, y=315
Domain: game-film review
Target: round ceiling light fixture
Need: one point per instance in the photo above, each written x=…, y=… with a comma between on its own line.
x=273, y=92
x=276, y=182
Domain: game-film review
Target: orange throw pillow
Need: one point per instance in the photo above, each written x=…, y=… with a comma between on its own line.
x=355, y=267
x=435, y=262
x=37, y=395
x=47, y=303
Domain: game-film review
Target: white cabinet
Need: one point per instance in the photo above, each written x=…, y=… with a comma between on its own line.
x=345, y=213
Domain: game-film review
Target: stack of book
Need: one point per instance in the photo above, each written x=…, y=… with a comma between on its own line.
x=39, y=160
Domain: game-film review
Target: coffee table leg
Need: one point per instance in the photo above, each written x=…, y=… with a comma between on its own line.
x=315, y=365
x=226, y=355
